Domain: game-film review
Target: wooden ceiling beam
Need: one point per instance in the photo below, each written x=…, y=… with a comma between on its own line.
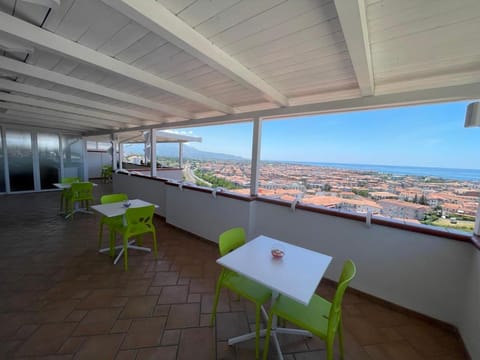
x=75, y=100
x=161, y=21
x=353, y=20
x=36, y=72
x=73, y=50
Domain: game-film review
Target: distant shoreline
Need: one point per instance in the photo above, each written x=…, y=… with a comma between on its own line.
x=440, y=173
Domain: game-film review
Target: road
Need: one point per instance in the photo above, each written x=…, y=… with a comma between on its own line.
x=190, y=176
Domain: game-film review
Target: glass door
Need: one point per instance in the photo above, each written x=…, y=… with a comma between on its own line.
x=2, y=165
x=49, y=159
x=20, y=161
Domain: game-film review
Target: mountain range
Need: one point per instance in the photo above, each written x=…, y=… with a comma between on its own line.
x=189, y=152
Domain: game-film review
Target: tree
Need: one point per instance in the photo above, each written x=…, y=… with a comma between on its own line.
x=423, y=200
x=327, y=187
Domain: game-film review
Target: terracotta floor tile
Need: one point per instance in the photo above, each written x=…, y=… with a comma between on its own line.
x=98, y=321
x=144, y=332
x=230, y=325
x=173, y=294
x=25, y=331
x=126, y=355
x=196, y=343
x=171, y=337
x=121, y=326
x=163, y=352
x=165, y=278
x=47, y=339
x=137, y=307
x=72, y=345
x=399, y=350
x=100, y=347
x=183, y=316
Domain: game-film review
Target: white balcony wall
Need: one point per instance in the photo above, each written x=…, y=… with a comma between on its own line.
x=470, y=323
x=203, y=214
x=137, y=187
x=432, y=275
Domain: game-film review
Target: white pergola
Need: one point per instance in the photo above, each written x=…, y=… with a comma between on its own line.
x=150, y=138
x=103, y=66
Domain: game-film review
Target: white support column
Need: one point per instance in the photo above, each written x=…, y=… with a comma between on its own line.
x=476, y=229
x=120, y=155
x=180, y=155
x=153, y=152
x=114, y=152
x=85, y=159
x=256, y=144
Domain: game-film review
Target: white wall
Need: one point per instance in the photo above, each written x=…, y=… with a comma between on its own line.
x=95, y=161
x=202, y=214
x=470, y=323
x=137, y=187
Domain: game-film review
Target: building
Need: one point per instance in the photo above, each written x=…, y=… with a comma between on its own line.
x=403, y=209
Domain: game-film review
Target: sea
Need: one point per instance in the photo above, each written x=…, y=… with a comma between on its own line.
x=433, y=172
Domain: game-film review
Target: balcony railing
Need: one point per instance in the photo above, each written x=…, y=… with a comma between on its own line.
x=421, y=270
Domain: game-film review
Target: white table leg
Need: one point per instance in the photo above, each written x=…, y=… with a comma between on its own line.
x=129, y=246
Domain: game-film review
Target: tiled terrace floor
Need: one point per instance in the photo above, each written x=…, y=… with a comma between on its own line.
x=60, y=299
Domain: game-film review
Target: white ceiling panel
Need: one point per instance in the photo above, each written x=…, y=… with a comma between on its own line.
x=254, y=56
x=145, y=45
x=176, y=6
x=203, y=10
x=265, y=20
x=236, y=14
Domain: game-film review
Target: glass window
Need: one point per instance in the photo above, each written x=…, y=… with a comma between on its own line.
x=133, y=155
x=20, y=162
x=49, y=159
x=72, y=156
x=416, y=164
x=221, y=160
x=2, y=165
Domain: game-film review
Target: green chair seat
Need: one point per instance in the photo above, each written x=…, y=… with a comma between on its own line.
x=321, y=317
x=137, y=221
x=79, y=192
x=249, y=289
x=111, y=222
x=65, y=194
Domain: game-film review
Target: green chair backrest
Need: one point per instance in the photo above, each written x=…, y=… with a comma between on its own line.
x=70, y=180
x=81, y=191
x=139, y=220
x=113, y=198
x=230, y=240
x=348, y=273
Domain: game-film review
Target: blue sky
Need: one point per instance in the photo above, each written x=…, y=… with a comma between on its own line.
x=426, y=135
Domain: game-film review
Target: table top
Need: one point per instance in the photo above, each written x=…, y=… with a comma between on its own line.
x=66, y=186
x=118, y=208
x=296, y=275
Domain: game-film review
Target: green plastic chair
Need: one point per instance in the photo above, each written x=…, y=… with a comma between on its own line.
x=65, y=192
x=107, y=172
x=249, y=289
x=321, y=317
x=110, y=221
x=82, y=193
x=137, y=221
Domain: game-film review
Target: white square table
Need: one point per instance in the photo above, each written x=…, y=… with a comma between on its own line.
x=65, y=186
x=119, y=209
x=296, y=275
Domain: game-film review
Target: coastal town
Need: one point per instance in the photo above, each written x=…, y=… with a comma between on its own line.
x=417, y=199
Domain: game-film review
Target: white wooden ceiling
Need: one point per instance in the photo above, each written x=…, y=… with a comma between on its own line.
x=94, y=66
